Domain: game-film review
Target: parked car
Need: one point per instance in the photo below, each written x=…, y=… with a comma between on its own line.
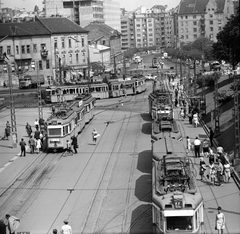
x=150, y=77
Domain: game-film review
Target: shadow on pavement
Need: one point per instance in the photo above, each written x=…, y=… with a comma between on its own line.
x=144, y=163
x=147, y=128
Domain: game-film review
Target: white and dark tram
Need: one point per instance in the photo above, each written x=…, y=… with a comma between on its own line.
x=177, y=204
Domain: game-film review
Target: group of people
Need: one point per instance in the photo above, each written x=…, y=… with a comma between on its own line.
x=65, y=229
x=72, y=143
x=10, y=224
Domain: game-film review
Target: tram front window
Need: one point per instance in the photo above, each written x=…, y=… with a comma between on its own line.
x=177, y=223
x=54, y=132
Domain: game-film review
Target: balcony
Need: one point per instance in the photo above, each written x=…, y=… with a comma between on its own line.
x=44, y=53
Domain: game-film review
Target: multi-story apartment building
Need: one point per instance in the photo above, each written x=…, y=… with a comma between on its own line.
x=127, y=30
x=85, y=12
x=202, y=18
x=56, y=46
x=151, y=27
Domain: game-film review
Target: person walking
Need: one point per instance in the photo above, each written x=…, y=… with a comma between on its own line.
x=188, y=145
x=38, y=145
x=202, y=168
x=219, y=170
x=69, y=147
x=212, y=173
x=211, y=136
x=181, y=114
x=205, y=147
x=220, y=221
x=197, y=144
x=95, y=136
x=23, y=148
x=227, y=172
x=66, y=228
x=36, y=124
x=2, y=227
x=12, y=223
x=74, y=143
x=195, y=120
x=32, y=144
x=28, y=129
x=54, y=231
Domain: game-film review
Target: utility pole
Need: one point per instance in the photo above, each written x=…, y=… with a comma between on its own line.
x=40, y=109
x=216, y=107
x=204, y=111
x=124, y=65
x=12, y=109
x=195, y=78
x=236, y=118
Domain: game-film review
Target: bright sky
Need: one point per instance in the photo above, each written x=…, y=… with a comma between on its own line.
x=127, y=4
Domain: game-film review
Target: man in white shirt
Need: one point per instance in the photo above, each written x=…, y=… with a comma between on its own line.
x=197, y=144
x=66, y=229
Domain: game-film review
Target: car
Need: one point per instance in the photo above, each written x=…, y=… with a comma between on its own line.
x=150, y=77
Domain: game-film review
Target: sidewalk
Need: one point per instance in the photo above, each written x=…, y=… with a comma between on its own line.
x=226, y=196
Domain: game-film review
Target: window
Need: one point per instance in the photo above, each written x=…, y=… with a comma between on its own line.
x=194, y=22
x=186, y=36
x=77, y=58
x=138, y=30
x=76, y=41
x=186, y=23
x=63, y=42
x=138, y=25
x=186, y=30
x=70, y=58
x=186, y=16
x=83, y=41
x=23, y=49
x=54, y=132
x=219, y=28
x=35, y=48
x=194, y=30
x=1, y=50
x=55, y=44
x=33, y=65
x=219, y=22
x=47, y=64
x=28, y=49
x=194, y=17
x=211, y=22
x=17, y=50
x=40, y=65
x=43, y=46
x=8, y=49
x=181, y=23
x=195, y=36
x=69, y=42
x=211, y=29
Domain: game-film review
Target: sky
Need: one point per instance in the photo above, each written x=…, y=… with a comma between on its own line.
x=127, y=4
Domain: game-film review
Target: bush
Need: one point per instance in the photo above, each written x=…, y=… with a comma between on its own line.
x=209, y=80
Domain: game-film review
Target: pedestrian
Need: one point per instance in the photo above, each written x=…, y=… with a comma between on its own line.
x=66, y=228
x=37, y=134
x=212, y=173
x=221, y=157
x=219, y=170
x=219, y=149
x=197, y=144
x=7, y=132
x=54, y=231
x=211, y=157
x=227, y=171
x=38, y=145
x=74, y=143
x=220, y=221
x=23, y=148
x=176, y=102
x=181, y=114
x=202, y=168
x=12, y=223
x=195, y=119
x=211, y=136
x=176, y=93
x=185, y=111
x=190, y=118
x=36, y=124
x=32, y=144
x=28, y=129
x=2, y=227
x=205, y=146
x=188, y=145
x=95, y=136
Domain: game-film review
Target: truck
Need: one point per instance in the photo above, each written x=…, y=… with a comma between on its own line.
x=31, y=81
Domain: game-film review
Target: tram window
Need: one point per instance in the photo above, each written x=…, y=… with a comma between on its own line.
x=72, y=91
x=78, y=116
x=64, y=91
x=70, y=127
x=76, y=120
x=54, y=132
x=65, y=130
x=179, y=223
x=98, y=89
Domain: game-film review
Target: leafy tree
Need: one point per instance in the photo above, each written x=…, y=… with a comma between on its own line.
x=227, y=46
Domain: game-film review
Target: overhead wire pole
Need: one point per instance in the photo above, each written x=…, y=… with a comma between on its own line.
x=216, y=107
x=236, y=118
x=40, y=109
x=12, y=109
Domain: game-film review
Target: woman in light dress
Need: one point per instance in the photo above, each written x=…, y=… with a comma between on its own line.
x=220, y=221
x=38, y=145
x=195, y=120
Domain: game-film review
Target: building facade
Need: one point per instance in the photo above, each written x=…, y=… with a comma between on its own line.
x=85, y=12
x=53, y=47
x=204, y=18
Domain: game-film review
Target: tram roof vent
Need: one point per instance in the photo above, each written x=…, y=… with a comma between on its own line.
x=188, y=205
x=168, y=206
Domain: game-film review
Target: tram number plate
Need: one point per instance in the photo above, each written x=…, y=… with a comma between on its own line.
x=178, y=204
x=23, y=232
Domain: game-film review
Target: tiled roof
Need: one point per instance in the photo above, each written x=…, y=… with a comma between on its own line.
x=102, y=29
x=22, y=29
x=57, y=25
x=198, y=6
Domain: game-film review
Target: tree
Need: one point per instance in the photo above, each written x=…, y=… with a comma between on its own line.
x=227, y=46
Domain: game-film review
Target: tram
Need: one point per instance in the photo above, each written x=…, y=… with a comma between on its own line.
x=68, y=121
x=177, y=204
x=70, y=92
x=129, y=86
